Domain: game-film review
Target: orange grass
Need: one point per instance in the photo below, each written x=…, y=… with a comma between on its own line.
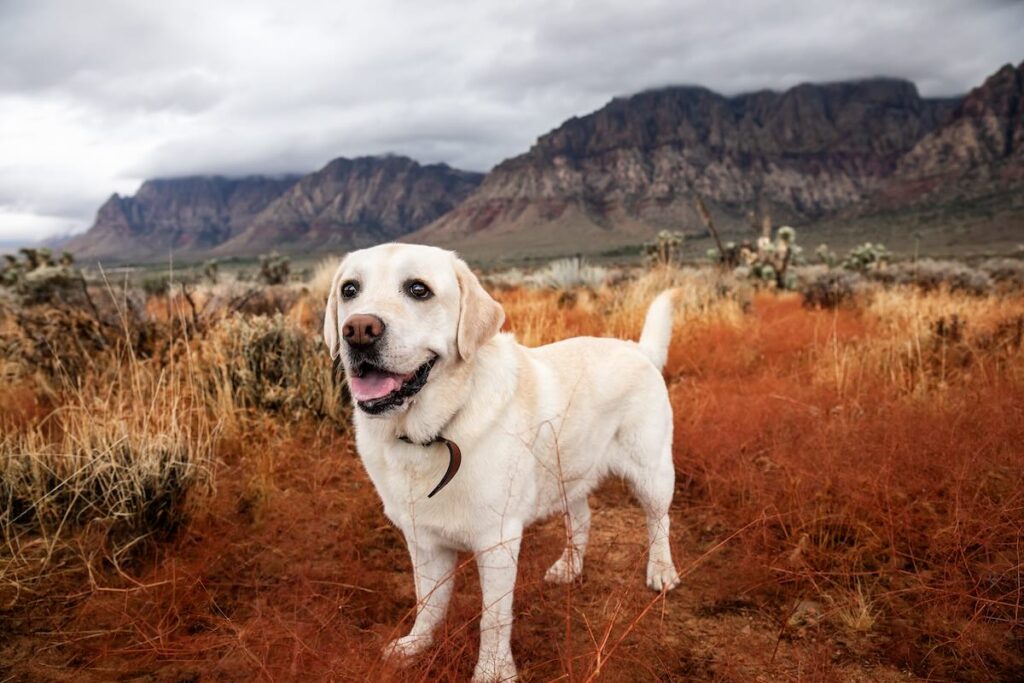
x=849, y=506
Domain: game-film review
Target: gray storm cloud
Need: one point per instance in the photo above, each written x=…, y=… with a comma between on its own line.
x=96, y=96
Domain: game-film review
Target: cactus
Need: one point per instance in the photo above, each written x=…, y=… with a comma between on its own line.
x=274, y=268
x=666, y=248
x=868, y=256
x=826, y=256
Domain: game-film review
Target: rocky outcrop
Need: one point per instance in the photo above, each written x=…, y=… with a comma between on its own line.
x=979, y=150
x=183, y=216
x=355, y=203
x=636, y=165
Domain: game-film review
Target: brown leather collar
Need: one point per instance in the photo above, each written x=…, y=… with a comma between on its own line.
x=454, y=459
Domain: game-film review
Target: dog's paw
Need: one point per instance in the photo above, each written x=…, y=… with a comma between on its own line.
x=662, y=576
x=495, y=671
x=402, y=649
x=564, y=571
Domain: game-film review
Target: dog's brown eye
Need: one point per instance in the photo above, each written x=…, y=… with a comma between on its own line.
x=418, y=290
x=349, y=289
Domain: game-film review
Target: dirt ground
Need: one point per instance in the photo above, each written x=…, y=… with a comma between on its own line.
x=293, y=573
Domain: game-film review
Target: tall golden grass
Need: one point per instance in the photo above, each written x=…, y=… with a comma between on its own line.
x=180, y=496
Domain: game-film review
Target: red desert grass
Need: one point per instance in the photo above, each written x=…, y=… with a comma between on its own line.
x=850, y=503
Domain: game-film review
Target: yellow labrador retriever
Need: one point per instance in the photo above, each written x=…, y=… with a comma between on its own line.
x=535, y=429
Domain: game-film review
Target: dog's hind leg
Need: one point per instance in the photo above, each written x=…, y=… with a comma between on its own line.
x=432, y=567
x=577, y=524
x=653, y=481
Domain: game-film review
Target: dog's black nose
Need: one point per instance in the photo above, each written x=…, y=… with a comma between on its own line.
x=362, y=329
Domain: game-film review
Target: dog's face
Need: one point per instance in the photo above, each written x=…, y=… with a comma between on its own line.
x=399, y=314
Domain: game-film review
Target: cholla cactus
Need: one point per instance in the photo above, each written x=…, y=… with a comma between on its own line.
x=768, y=260
x=666, y=248
x=11, y=271
x=868, y=256
x=36, y=279
x=826, y=256
x=274, y=268
x=36, y=258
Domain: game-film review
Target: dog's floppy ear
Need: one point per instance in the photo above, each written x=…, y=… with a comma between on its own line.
x=480, y=316
x=331, y=337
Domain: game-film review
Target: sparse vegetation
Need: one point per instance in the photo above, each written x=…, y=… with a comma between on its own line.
x=179, y=493
x=274, y=268
x=665, y=250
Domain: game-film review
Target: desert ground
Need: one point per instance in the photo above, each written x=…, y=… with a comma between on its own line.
x=180, y=499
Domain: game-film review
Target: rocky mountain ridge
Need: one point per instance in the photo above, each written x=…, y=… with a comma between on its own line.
x=187, y=216
x=353, y=203
x=637, y=164
x=827, y=156
x=349, y=203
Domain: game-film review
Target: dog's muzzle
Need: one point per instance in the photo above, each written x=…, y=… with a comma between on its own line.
x=377, y=390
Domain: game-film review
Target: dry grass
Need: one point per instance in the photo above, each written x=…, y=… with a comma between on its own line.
x=849, y=505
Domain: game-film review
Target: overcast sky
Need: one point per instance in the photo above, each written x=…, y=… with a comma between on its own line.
x=97, y=95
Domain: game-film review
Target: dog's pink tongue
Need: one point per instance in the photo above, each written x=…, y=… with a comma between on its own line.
x=374, y=385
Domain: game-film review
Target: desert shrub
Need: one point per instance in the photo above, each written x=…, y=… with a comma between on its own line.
x=58, y=342
x=274, y=268
x=138, y=480
x=570, y=273
x=930, y=275
x=1007, y=273
x=211, y=272
x=831, y=289
x=156, y=285
x=103, y=475
x=266, y=362
x=320, y=280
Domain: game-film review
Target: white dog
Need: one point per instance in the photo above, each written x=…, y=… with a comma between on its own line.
x=538, y=429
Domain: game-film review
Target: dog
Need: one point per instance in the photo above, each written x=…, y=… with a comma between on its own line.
x=435, y=382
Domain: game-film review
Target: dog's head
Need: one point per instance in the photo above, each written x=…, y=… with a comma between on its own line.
x=397, y=313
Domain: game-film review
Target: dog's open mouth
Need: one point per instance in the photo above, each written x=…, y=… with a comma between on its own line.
x=376, y=389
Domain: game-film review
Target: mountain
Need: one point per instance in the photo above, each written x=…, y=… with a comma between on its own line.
x=354, y=203
x=981, y=147
x=188, y=216
x=961, y=187
x=617, y=175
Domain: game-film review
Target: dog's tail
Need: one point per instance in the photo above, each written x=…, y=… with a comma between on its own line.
x=657, y=332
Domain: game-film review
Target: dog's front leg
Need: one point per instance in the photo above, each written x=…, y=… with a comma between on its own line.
x=432, y=567
x=497, y=565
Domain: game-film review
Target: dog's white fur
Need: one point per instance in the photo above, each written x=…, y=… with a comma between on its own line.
x=539, y=428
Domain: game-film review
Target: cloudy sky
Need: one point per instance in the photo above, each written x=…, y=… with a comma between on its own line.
x=97, y=95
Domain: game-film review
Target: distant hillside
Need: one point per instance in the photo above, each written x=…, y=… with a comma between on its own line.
x=348, y=203
x=188, y=216
x=635, y=166
x=867, y=159
x=961, y=187
x=354, y=203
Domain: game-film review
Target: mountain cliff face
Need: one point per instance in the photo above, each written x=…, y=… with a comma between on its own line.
x=355, y=203
x=979, y=150
x=185, y=215
x=636, y=165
